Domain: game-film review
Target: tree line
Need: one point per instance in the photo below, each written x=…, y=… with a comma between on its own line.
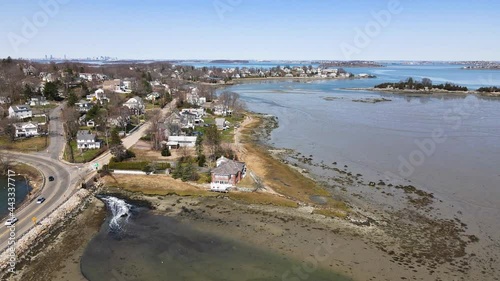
x=425, y=83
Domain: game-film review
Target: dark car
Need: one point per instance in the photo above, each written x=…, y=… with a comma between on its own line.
x=51, y=178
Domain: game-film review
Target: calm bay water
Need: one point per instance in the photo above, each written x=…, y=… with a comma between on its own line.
x=380, y=139
x=22, y=190
x=136, y=245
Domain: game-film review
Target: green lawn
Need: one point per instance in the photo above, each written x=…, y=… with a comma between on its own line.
x=227, y=135
x=82, y=156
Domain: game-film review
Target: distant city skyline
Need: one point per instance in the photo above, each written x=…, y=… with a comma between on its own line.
x=253, y=30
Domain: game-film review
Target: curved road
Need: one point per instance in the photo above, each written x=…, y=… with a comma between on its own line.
x=67, y=175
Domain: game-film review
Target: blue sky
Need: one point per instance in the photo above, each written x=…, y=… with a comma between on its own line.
x=252, y=29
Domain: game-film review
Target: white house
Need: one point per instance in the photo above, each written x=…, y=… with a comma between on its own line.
x=86, y=140
x=181, y=141
x=153, y=96
x=136, y=105
x=83, y=105
x=221, y=123
x=26, y=129
x=38, y=101
x=20, y=111
x=98, y=96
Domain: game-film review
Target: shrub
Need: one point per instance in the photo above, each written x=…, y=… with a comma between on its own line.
x=165, y=152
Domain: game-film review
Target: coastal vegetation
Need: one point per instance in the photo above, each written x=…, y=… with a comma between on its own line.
x=489, y=89
x=424, y=84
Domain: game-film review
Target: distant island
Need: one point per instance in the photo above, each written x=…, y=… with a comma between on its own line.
x=229, y=61
x=355, y=63
x=426, y=87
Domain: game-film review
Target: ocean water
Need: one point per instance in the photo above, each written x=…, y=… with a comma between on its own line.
x=448, y=146
x=22, y=190
x=134, y=244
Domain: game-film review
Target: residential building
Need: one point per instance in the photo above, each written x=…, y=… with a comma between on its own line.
x=20, y=111
x=112, y=85
x=136, y=105
x=220, y=123
x=227, y=174
x=83, y=106
x=87, y=140
x=153, y=96
x=26, y=129
x=4, y=100
x=38, y=101
x=98, y=96
x=181, y=141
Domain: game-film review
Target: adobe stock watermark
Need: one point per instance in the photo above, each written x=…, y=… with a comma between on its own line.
x=11, y=203
x=310, y=264
x=31, y=26
x=426, y=147
x=372, y=29
x=223, y=6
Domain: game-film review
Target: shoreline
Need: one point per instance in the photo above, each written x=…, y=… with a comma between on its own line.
x=33, y=178
x=298, y=79
x=365, y=236
x=434, y=93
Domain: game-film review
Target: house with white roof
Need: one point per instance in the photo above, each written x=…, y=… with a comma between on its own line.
x=26, y=129
x=181, y=141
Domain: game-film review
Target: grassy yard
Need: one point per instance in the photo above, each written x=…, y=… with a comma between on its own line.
x=39, y=119
x=227, y=135
x=282, y=178
x=25, y=145
x=81, y=156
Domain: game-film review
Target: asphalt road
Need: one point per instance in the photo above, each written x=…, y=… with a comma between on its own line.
x=55, y=193
x=67, y=176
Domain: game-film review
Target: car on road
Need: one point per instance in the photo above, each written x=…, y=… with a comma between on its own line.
x=40, y=200
x=51, y=178
x=11, y=221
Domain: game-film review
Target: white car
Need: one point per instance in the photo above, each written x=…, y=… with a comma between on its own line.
x=11, y=221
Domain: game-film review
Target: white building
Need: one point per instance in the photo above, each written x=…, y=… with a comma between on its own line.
x=20, y=111
x=86, y=140
x=136, y=105
x=26, y=129
x=181, y=141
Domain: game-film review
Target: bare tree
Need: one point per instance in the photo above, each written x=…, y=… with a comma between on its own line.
x=157, y=135
x=70, y=123
x=6, y=162
x=122, y=116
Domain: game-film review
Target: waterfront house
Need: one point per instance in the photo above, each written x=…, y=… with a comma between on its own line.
x=20, y=111
x=136, y=105
x=227, y=174
x=220, y=123
x=86, y=140
x=26, y=129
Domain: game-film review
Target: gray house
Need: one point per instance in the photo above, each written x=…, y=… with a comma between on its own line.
x=86, y=140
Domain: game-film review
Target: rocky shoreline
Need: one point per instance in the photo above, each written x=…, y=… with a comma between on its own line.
x=433, y=92
x=407, y=237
